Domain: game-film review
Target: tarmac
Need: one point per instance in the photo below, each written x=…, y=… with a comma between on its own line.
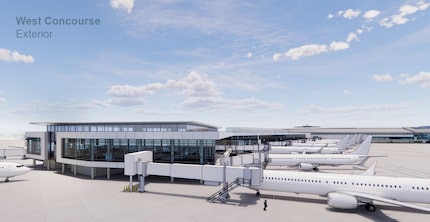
x=43, y=195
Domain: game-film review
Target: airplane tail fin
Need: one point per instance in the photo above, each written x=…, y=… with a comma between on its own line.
x=370, y=171
x=343, y=143
x=364, y=147
x=320, y=150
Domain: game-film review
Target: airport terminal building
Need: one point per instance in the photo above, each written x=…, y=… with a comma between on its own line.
x=98, y=148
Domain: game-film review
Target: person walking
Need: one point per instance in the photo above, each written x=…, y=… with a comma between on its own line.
x=265, y=205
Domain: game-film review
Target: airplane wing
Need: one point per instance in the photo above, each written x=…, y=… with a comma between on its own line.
x=385, y=200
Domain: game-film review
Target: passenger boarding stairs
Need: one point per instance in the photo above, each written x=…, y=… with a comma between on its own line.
x=223, y=194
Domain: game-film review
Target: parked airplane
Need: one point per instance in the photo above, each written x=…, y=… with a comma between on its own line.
x=312, y=161
x=350, y=191
x=8, y=169
x=305, y=149
x=340, y=147
x=346, y=142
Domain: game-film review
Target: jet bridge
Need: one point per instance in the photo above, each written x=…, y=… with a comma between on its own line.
x=140, y=163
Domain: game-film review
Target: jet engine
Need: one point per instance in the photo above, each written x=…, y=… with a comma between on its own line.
x=306, y=166
x=342, y=201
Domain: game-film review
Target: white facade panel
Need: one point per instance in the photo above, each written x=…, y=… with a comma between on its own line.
x=257, y=176
x=157, y=135
x=139, y=135
x=247, y=159
x=187, y=135
x=43, y=145
x=149, y=135
x=129, y=165
x=188, y=171
x=234, y=172
x=168, y=135
x=131, y=159
x=212, y=173
x=159, y=169
x=235, y=160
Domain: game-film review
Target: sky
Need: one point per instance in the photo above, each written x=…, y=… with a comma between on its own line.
x=265, y=64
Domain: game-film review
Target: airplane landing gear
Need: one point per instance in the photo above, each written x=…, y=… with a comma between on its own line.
x=316, y=169
x=370, y=207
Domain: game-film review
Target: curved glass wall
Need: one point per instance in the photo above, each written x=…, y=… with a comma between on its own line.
x=164, y=151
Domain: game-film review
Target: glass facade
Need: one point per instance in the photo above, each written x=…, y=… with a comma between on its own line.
x=33, y=145
x=168, y=150
x=165, y=150
x=130, y=127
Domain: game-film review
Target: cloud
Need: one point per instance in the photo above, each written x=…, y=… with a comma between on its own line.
x=422, y=78
x=371, y=14
x=199, y=91
x=348, y=14
x=305, y=50
x=382, y=78
x=276, y=56
x=9, y=56
x=400, y=18
x=336, y=46
x=133, y=91
x=351, y=13
x=192, y=84
x=122, y=4
x=352, y=36
x=312, y=49
x=249, y=55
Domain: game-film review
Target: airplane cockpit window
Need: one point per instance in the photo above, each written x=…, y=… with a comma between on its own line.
x=19, y=165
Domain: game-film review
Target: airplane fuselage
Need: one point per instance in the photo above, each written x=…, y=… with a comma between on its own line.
x=401, y=189
x=316, y=159
x=306, y=149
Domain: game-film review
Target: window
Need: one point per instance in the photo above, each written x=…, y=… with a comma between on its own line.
x=33, y=145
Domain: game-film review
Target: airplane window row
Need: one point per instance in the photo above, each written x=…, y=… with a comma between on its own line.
x=341, y=182
x=422, y=188
x=377, y=185
x=291, y=179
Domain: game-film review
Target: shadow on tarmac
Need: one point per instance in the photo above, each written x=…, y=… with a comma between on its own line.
x=378, y=215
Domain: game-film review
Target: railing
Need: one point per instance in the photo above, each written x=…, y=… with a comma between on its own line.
x=222, y=194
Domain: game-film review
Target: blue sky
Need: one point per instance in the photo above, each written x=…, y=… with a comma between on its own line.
x=226, y=63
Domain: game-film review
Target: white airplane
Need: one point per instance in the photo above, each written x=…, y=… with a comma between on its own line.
x=350, y=191
x=345, y=142
x=322, y=148
x=305, y=149
x=312, y=161
x=8, y=169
